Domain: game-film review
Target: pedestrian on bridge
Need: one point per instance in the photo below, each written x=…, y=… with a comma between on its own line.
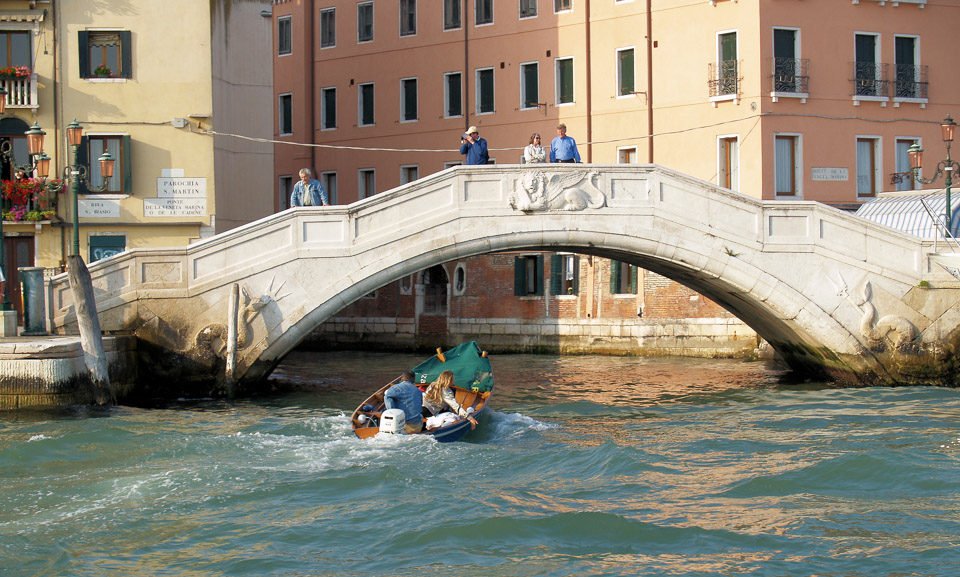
x=474, y=147
x=308, y=191
x=563, y=148
x=534, y=152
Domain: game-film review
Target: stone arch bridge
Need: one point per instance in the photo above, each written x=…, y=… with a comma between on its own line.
x=835, y=295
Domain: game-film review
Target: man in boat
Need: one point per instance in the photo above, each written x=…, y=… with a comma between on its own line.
x=408, y=398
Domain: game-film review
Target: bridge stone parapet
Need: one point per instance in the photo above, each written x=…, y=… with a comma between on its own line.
x=834, y=294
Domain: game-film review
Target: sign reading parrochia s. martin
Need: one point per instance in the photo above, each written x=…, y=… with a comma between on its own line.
x=178, y=196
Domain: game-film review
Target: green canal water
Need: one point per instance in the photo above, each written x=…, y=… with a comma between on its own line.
x=585, y=466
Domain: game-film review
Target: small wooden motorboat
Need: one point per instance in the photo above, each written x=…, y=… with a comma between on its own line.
x=472, y=385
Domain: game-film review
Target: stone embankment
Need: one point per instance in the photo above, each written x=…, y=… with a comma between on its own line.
x=50, y=371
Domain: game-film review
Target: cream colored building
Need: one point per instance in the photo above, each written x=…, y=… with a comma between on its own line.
x=147, y=83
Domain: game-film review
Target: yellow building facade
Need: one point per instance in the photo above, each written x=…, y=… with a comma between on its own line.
x=151, y=84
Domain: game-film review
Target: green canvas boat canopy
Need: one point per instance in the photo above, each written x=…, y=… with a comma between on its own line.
x=471, y=370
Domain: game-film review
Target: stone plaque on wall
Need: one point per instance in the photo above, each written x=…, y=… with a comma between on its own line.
x=174, y=207
x=98, y=208
x=182, y=187
x=821, y=173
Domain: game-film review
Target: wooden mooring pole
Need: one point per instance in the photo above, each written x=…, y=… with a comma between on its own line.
x=91, y=339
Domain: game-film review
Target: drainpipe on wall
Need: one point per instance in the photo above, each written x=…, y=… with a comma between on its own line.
x=57, y=115
x=586, y=6
x=311, y=108
x=649, y=82
x=466, y=70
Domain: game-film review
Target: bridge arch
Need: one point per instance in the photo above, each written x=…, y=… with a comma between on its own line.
x=794, y=271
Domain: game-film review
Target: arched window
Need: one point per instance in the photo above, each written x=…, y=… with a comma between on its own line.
x=435, y=291
x=460, y=279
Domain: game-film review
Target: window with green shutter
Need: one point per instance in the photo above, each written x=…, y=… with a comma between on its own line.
x=564, y=274
x=564, y=76
x=623, y=278
x=528, y=275
x=118, y=145
x=105, y=54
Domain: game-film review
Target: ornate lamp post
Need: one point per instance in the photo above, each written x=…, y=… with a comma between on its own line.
x=40, y=163
x=944, y=167
x=76, y=173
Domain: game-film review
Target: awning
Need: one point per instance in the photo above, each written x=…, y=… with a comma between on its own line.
x=904, y=211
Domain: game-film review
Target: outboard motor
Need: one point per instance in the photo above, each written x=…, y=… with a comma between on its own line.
x=393, y=421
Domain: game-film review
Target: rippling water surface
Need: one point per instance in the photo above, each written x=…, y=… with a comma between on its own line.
x=585, y=465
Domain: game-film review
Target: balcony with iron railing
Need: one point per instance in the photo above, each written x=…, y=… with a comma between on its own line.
x=870, y=82
x=789, y=78
x=21, y=91
x=723, y=80
x=911, y=84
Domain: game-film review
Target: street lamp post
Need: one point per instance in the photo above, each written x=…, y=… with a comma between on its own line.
x=5, y=302
x=40, y=163
x=944, y=167
x=76, y=173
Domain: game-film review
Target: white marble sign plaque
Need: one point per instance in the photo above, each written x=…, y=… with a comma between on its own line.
x=98, y=208
x=182, y=187
x=820, y=173
x=175, y=207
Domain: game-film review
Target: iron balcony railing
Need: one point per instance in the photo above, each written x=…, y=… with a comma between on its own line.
x=723, y=78
x=790, y=75
x=870, y=79
x=911, y=81
x=21, y=92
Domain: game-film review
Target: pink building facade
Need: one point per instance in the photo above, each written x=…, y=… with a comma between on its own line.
x=813, y=100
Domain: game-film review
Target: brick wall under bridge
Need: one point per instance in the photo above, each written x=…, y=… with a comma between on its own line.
x=582, y=309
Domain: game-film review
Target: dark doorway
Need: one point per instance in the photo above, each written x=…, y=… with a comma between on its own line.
x=19, y=252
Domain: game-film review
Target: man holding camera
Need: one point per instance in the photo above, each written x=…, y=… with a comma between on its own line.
x=474, y=147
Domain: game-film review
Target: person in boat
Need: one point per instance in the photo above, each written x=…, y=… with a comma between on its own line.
x=408, y=398
x=440, y=397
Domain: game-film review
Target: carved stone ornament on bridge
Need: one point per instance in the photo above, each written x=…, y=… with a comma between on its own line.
x=568, y=191
x=892, y=329
x=205, y=337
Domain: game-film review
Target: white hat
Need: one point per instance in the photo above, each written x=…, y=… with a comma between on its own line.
x=472, y=129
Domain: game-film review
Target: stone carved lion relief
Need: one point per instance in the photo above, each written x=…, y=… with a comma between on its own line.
x=568, y=191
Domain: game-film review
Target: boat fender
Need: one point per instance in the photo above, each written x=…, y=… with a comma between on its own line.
x=393, y=421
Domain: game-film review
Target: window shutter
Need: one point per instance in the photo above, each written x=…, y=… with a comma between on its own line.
x=83, y=46
x=519, y=276
x=556, y=274
x=633, y=279
x=539, y=275
x=83, y=157
x=126, y=164
x=614, y=276
x=126, y=58
x=576, y=275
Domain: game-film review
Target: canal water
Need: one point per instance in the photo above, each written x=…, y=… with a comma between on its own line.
x=585, y=466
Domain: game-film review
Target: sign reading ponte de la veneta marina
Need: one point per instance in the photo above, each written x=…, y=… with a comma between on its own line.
x=178, y=196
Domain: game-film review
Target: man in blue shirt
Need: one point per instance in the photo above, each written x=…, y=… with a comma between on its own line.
x=563, y=148
x=308, y=191
x=474, y=147
x=408, y=398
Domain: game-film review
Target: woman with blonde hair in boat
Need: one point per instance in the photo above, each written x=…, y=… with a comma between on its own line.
x=440, y=396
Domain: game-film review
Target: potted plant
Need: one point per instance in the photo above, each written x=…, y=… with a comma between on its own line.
x=15, y=73
x=103, y=71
